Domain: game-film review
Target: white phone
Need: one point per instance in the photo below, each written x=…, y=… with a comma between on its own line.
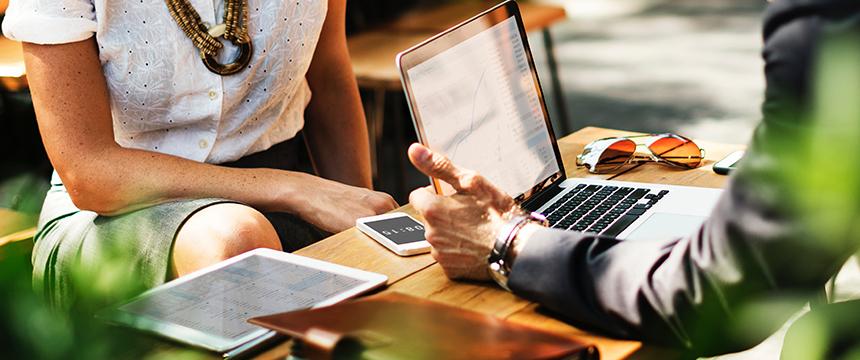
x=397, y=231
x=729, y=163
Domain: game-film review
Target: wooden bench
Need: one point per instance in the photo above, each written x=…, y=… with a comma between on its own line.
x=12, y=73
x=373, y=52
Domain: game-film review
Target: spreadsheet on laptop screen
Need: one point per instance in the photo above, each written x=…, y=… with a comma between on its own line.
x=479, y=105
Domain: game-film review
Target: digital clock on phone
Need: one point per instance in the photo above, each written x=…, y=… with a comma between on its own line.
x=398, y=232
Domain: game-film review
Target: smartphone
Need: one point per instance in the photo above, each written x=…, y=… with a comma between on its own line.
x=398, y=232
x=729, y=163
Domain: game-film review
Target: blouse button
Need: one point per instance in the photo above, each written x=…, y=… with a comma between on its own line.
x=213, y=95
x=203, y=143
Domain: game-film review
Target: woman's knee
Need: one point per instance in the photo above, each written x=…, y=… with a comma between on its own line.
x=219, y=232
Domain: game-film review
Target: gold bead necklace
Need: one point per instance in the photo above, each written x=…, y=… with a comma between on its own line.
x=234, y=29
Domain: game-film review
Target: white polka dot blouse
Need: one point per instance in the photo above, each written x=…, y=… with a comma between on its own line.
x=163, y=98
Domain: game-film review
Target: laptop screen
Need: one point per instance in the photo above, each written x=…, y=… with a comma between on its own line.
x=478, y=102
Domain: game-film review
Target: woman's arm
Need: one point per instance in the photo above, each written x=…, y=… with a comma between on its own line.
x=73, y=110
x=336, y=131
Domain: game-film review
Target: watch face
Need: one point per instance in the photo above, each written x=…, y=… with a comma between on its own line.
x=400, y=230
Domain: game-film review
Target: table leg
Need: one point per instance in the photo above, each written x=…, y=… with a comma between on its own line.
x=400, y=145
x=558, y=94
x=377, y=116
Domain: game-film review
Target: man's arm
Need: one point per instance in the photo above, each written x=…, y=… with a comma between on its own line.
x=336, y=131
x=759, y=249
x=784, y=226
x=764, y=243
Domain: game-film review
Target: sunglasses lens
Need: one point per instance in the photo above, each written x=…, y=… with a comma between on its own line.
x=615, y=155
x=678, y=151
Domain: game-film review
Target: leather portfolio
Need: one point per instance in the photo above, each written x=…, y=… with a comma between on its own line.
x=397, y=326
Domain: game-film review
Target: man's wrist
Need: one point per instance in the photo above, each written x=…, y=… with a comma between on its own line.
x=504, y=251
x=498, y=254
x=519, y=243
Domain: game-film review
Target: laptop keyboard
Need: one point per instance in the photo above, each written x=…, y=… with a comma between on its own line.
x=601, y=209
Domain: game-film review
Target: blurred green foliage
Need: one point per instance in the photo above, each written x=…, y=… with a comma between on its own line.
x=831, y=331
x=824, y=179
x=834, y=151
x=23, y=192
x=30, y=328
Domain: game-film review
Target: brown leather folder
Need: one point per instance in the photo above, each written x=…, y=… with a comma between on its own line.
x=397, y=326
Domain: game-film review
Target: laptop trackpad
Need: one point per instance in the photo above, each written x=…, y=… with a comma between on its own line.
x=661, y=226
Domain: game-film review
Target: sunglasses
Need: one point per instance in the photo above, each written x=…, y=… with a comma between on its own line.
x=611, y=154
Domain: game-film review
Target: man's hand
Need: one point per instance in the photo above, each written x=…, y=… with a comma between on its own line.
x=462, y=228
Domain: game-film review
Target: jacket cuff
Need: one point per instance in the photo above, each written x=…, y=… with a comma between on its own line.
x=542, y=265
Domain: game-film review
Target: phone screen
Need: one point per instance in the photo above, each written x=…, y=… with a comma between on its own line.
x=400, y=230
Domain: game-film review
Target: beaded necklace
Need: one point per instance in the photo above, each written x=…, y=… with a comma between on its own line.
x=234, y=29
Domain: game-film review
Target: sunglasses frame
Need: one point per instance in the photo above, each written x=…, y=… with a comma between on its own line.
x=590, y=156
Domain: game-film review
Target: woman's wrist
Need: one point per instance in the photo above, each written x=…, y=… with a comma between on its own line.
x=287, y=191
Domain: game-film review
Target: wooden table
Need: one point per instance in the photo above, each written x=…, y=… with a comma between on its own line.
x=420, y=276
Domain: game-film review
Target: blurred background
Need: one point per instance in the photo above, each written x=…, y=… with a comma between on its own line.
x=642, y=65
x=647, y=65
x=691, y=67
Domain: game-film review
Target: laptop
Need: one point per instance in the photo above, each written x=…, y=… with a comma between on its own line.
x=474, y=96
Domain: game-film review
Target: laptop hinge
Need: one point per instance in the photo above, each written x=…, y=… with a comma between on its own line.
x=536, y=201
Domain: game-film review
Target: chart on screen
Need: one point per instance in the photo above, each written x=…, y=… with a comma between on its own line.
x=479, y=105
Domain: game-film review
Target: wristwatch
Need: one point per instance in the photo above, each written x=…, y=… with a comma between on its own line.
x=498, y=262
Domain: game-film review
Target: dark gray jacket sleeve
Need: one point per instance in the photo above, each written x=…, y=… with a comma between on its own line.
x=760, y=253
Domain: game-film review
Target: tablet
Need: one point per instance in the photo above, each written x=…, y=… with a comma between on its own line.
x=210, y=307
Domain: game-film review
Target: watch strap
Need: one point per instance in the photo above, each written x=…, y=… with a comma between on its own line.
x=499, y=265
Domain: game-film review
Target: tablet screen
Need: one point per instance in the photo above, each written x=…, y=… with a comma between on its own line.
x=218, y=303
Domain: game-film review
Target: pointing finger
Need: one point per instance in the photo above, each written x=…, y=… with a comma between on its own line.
x=435, y=165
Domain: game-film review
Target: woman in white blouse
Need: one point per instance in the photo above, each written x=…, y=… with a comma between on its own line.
x=160, y=155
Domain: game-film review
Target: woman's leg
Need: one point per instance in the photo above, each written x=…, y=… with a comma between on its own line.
x=218, y=232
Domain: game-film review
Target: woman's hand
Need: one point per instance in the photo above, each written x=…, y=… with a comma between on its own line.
x=462, y=228
x=333, y=207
